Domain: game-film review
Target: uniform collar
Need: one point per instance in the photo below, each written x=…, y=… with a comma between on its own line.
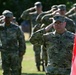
x=57, y=34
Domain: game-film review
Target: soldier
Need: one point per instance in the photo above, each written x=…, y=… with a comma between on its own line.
x=14, y=20
x=46, y=21
x=59, y=54
x=13, y=45
x=43, y=24
x=73, y=15
x=72, y=10
x=70, y=25
x=31, y=14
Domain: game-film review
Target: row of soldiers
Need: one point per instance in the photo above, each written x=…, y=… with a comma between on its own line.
x=49, y=45
x=55, y=40
x=40, y=19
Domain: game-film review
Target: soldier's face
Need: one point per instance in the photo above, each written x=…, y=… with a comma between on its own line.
x=62, y=12
x=75, y=9
x=8, y=19
x=39, y=8
x=59, y=26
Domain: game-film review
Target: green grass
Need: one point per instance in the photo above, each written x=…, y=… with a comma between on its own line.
x=28, y=64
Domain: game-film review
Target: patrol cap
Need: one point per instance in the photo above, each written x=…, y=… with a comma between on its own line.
x=58, y=17
x=7, y=13
x=62, y=7
x=38, y=4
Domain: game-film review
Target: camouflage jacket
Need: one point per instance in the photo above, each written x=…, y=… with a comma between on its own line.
x=70, y=24
x=28, y=15
x=12, y=39
x=73, y=17
x=58, y=46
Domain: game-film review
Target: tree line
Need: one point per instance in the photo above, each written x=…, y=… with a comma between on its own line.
x=18, y=6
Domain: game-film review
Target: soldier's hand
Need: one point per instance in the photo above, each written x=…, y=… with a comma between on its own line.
x=73, y=9
x=2, y=17
x=57, y=11
x=21, y=54
x=54, y=9
x=32, y=8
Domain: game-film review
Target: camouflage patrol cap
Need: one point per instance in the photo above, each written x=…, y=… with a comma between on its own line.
x=62, y=7
x=7, y=13
x=38, y=4
x=58, y=17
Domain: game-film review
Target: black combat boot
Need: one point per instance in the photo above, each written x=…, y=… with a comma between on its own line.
x=20, y=71
x=38, y=68
x=43, y=68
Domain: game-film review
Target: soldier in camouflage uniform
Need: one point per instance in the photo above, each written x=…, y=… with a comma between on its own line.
x=43, y=24
x=72, y=10
x=70, y=25
x=13, y=45
x=46, y=21
x=31, y=14
x=73, y=15
x=59, y=54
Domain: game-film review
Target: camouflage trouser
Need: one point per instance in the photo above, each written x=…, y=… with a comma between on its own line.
x=10, y=63
x=20, y=63
x=55, y=74
x=44, y=55
x=50, y=70
x=37, y=50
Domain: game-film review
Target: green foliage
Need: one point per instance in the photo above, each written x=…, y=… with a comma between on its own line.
x=18, y=6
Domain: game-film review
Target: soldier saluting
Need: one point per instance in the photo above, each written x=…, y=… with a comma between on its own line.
x=31, y=14
x=59, y=54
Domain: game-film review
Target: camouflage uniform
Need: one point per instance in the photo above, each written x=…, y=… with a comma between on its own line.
x=29, y=15
x=44, y=16
x=43, y=50
x=57, y=50
x=44, y=22
x=73, y=15
x=70, y=24
x=46, y=19
x=59, y=53
x=13, y=45
x=72, y=10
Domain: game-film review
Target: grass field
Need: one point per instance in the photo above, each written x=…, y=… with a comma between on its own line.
x=28, y=64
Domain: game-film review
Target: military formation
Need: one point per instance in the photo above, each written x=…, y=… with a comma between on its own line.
x=52, y=37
